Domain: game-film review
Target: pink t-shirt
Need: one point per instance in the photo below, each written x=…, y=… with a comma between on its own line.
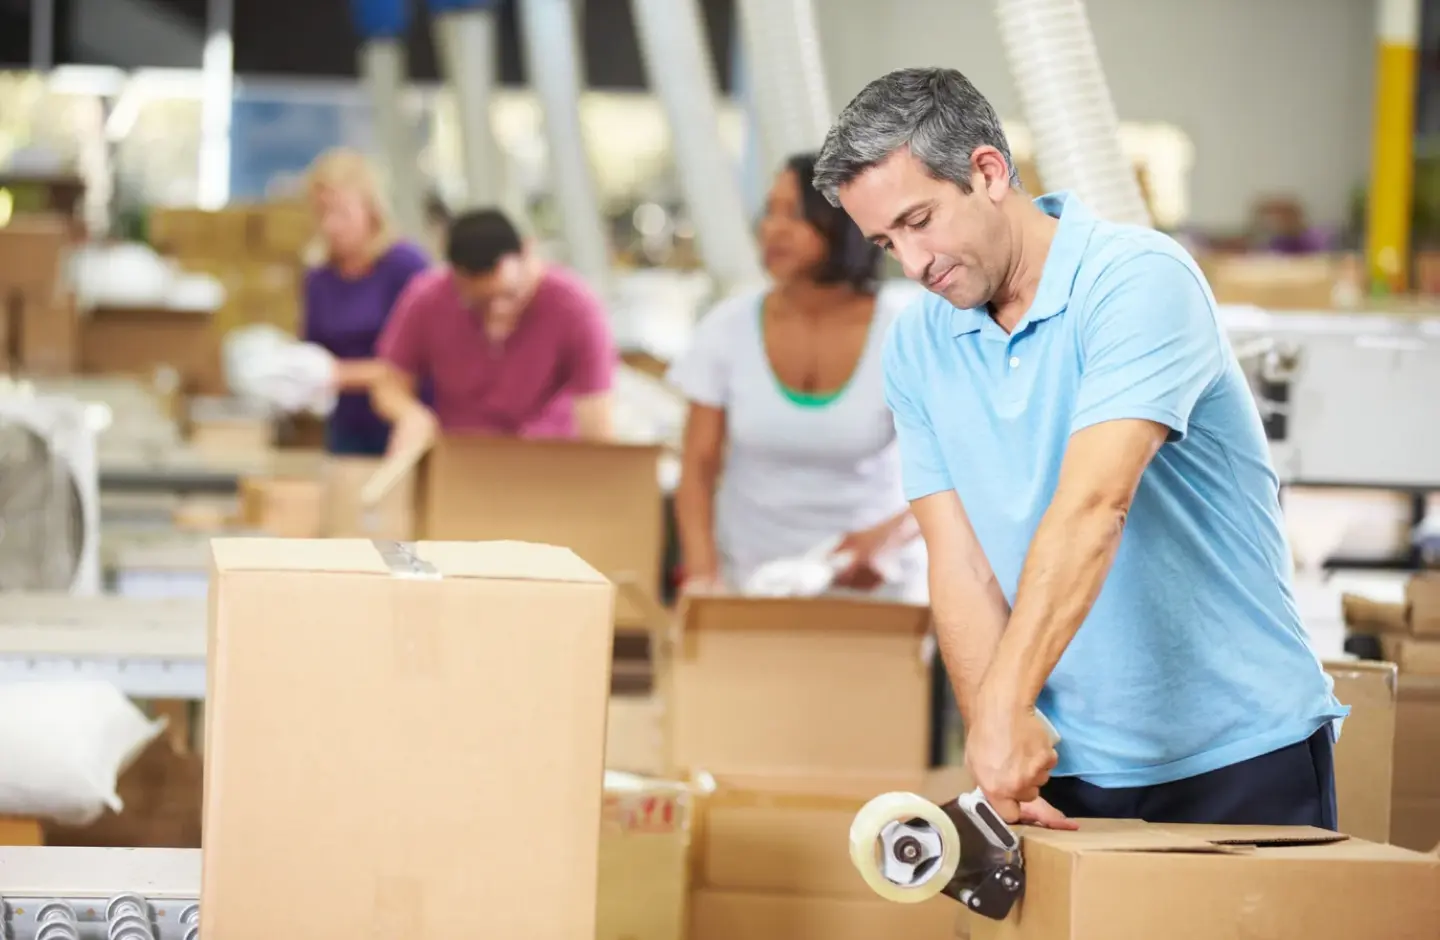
x=562, y=348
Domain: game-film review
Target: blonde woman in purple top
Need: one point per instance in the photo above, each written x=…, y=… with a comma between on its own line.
x=348, y=298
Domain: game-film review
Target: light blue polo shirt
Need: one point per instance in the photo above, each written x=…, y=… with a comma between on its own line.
x=1194, y=656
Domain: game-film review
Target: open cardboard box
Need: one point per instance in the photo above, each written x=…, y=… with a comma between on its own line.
x=802, y=687
x=1128, y=880
x=601, y=500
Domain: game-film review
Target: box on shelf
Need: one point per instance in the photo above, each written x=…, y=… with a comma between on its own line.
x=459, y=690
x=139, y=342
x=1127, y=880
x=33, y=252
x=1284, y=282
x=1365, y=753
x=1415, y=818
x=849, y=693
x=282, y=506
x=228, y=429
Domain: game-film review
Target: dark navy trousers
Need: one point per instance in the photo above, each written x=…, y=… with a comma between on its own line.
x=1294, y=786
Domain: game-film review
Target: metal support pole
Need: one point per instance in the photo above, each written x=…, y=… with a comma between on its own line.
x=553, y=56
x=1392, y=146
x=42, y=35
x=216, y=106
x=382, y=25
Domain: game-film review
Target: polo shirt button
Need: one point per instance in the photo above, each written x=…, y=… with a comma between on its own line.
x=1014, y=362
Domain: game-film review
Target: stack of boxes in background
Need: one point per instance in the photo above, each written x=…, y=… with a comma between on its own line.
x=38, y=323
x=1409, y=635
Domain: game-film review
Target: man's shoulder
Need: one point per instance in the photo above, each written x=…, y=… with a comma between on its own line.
x=430, y=285
x=1118, y=252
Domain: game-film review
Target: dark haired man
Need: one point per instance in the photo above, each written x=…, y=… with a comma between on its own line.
x=509, y=344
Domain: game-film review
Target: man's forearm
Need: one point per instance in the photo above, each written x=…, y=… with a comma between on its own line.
x=392, y=396
x=1069, y=559
x=969, y=622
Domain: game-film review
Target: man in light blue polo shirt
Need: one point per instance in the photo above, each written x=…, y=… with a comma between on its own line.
x=1090, y=474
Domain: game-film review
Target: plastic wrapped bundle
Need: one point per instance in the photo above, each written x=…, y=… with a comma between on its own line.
x=266, y=364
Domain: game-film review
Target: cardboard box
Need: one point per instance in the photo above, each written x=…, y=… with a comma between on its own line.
x=1414, y=656
x=1422, y=594
x=644, y=859
x=603, y=501
x=344, y=517
x=228, y=429
x=33, y=252
x=403, y=740
x=637, y=735
x=771, y=862
x=1365, y=753
x=1377, y=618
x=1281, y=282
x=15, y=830
x=286, y=507
x=1415, y=820
x=1121, y=880
x=283, y=230
x=800, y=686
x=39, y=336
x=139, y=342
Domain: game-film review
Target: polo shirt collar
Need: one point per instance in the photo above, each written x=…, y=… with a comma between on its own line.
x=1062, y=264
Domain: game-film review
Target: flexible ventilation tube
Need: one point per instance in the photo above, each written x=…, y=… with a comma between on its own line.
x=683, y=77
x=552, y=53
x=1068, y=106
x=382, y=63
x=788, y=73
x=465, y=38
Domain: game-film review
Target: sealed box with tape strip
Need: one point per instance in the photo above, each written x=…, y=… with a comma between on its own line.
x=403, y=740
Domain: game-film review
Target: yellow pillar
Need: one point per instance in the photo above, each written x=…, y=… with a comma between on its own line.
x=1392, y=153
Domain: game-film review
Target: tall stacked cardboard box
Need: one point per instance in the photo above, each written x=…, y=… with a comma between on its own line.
x=38, y=325
x=1409, y=635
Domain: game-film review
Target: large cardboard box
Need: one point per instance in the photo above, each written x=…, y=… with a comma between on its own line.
x=403, y=740
x=33, y=252
x=346, y=516
x=1422, y=594
x=1365, y=753
x=771, y=862
x=644, y=859
x=1123, y=880
x=828, y=686
x=603, y=501
x=141, y=341
x=1415, y=820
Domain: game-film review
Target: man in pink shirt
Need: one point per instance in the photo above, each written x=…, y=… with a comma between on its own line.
x=508, y=344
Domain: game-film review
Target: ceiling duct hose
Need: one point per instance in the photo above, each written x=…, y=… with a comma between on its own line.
x=382, y=63
x=787, y=76
x=1068, y=106
x=465, y=38
x=680, y=71
x=552, y=53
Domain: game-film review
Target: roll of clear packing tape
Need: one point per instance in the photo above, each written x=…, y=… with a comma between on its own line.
x=879, y=827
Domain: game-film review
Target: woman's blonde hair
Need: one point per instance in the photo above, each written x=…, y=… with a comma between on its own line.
x=349, y=170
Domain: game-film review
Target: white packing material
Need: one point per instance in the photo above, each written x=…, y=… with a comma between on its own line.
x=264, y=363
x=64, y=745
x=812, y=573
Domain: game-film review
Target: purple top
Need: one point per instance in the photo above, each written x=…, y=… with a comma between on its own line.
x=345, y=316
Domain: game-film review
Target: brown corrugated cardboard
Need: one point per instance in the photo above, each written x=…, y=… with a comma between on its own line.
x=1365, y=753
x=286, y=507
x=1415, y=817
x=771, y=861
x=1414, y=656
x=800, y=686
x=636, y=735
x=1422, y=593
x=601, y=500
x=1364, y=615
x=138, y=342
x=644, y=859
x=32, y=258
x=403, y=743
x=729, y=915
x=15, y=830
x=1115, y=880
x=346, y=517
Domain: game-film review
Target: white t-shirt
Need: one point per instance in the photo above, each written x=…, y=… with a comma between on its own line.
x=795, y=475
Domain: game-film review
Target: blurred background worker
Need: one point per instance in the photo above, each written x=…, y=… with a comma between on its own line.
x=348, y=298
x=511, y=344
x=788, y=442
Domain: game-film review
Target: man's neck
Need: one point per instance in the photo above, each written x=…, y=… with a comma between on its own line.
x=1032, y=232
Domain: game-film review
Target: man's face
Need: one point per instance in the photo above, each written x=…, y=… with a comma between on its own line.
x=951, y=241
x=498, y=295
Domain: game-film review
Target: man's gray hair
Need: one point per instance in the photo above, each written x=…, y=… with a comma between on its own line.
x=935, y=112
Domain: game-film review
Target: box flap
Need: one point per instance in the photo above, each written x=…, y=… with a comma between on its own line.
x=1109, y=835
x=560, y=446
x=829, y=613
x=490, y=560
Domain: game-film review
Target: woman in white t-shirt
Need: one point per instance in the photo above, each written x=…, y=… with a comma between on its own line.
x=789, y=442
